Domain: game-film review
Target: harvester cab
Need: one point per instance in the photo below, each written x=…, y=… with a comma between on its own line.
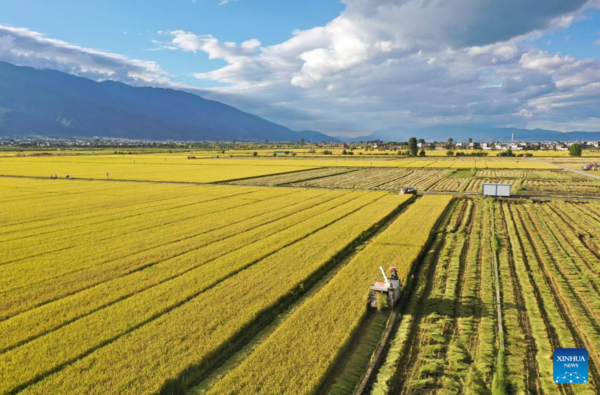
x=387, y=291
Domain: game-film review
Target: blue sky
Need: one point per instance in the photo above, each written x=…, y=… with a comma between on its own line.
x=128, y=27
x=346, y=67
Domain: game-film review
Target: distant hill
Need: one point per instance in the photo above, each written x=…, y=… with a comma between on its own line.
x=477, y=133
x=55, y=104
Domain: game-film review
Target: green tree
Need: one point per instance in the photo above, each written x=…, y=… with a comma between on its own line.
x=575, y=150
x=302, y=141
x=412, y=146
x=450, y=142
x=422, y=153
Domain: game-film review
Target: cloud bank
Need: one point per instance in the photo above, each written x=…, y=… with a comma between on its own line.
x=380, y=63
x=25, y=47
x=412, y=62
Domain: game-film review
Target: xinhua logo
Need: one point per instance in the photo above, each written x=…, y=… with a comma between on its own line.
x=570, y=365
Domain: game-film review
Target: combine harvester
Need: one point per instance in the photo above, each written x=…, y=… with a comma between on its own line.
x=591, y=167
x=388, y=289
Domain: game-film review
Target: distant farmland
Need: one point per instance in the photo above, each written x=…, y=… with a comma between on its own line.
x=239, y=275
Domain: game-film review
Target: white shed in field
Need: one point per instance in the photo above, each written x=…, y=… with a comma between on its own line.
x=496, y=190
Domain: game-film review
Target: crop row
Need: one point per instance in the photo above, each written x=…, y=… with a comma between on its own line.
x=323, y=325
x=43, y=263
x=222, y=302
x=563, y=188
x=178, y=213
x=289, y=178
x=77, y=338
x=469, y=184
x=529, y=174
x=379, y=179
x=238, y=243
x=209, y=171
x=549, y=271
x=560, y=290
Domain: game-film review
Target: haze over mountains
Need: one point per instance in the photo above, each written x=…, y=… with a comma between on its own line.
x=51, y=103
x=477, y=133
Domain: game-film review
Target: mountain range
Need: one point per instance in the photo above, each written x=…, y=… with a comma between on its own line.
x=51, y=103
x=477, y=133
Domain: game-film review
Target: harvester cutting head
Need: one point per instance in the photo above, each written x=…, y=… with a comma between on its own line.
x=387, y=291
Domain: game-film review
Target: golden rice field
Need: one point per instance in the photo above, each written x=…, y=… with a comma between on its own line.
x=307, y=152
x=142, y=288
x=179, y=168
x=251, y=276
x=326, y=322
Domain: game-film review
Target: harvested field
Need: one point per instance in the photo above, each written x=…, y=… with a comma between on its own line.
x=474, y=185
x=561, y=188
x=290, y=178
x=383, y=179
x=549, y=277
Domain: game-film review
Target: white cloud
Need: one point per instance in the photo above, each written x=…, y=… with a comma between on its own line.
x=387, y=62
x=28, y=48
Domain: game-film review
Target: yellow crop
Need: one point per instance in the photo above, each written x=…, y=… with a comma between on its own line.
x=91, y=266
x=297, y=356
x=210, y=170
